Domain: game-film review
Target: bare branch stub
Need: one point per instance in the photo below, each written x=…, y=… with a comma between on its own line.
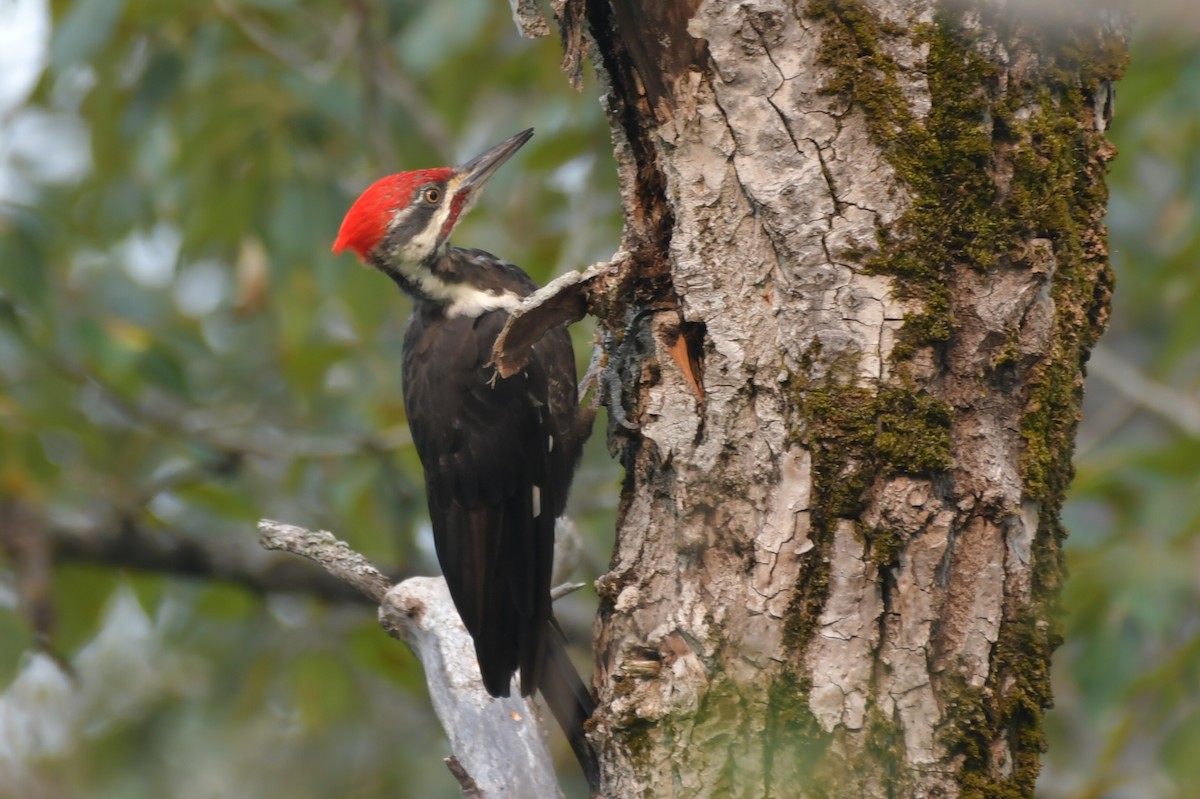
x=562, y=301
x=529, y=19
x=334, y=555
x=563, y=589
x=470, y=789
x=570, y=17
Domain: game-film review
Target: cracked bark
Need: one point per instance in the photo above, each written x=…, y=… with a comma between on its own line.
x=862, y=267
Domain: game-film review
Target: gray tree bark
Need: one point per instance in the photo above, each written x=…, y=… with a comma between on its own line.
x=862, y=268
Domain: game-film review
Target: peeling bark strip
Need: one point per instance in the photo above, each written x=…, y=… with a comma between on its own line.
x=876, y=227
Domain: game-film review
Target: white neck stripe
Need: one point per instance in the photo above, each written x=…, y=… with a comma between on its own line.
x=469, y=301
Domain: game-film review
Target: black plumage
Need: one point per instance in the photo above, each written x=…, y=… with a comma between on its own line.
x=499, y=455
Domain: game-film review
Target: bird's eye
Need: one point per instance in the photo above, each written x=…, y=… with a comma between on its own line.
x=432, y=196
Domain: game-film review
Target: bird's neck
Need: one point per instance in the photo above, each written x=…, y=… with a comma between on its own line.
x=458, y=282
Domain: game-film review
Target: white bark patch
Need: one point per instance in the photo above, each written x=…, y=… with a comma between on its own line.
x=810, y=178
x=914, y=608
x=771, y=225
x=841, y=657
x=784, y=536
x=1018, y=541
x=628, y=599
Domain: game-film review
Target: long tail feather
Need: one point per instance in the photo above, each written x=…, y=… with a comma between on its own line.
x=569, y=700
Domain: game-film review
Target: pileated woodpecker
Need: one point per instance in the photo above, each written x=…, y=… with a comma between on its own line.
x=498, y=453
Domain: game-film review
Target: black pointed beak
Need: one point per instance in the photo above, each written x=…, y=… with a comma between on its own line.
x=477, y=171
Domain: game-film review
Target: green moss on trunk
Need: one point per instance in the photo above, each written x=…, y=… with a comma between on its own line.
x=943, y=159
x=1036, y=129
x=856, y=435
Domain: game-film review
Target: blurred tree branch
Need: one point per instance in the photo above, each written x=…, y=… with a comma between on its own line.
x=342, y=40
x=32, y=563
x=380, y=75
x=1169, y=405
x=34, y=542
x=190, y=422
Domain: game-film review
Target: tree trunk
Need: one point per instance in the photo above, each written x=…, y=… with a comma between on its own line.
x=864, y=264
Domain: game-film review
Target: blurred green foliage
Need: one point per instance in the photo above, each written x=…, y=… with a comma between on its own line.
x=180, y=354
x=1127, y=681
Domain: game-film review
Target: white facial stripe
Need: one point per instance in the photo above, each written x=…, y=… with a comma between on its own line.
x=537, y=502
x=423, y=243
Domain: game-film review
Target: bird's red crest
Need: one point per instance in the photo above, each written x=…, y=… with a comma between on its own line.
x=367, y=220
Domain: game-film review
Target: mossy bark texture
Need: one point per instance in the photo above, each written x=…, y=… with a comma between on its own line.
x=863, y=265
